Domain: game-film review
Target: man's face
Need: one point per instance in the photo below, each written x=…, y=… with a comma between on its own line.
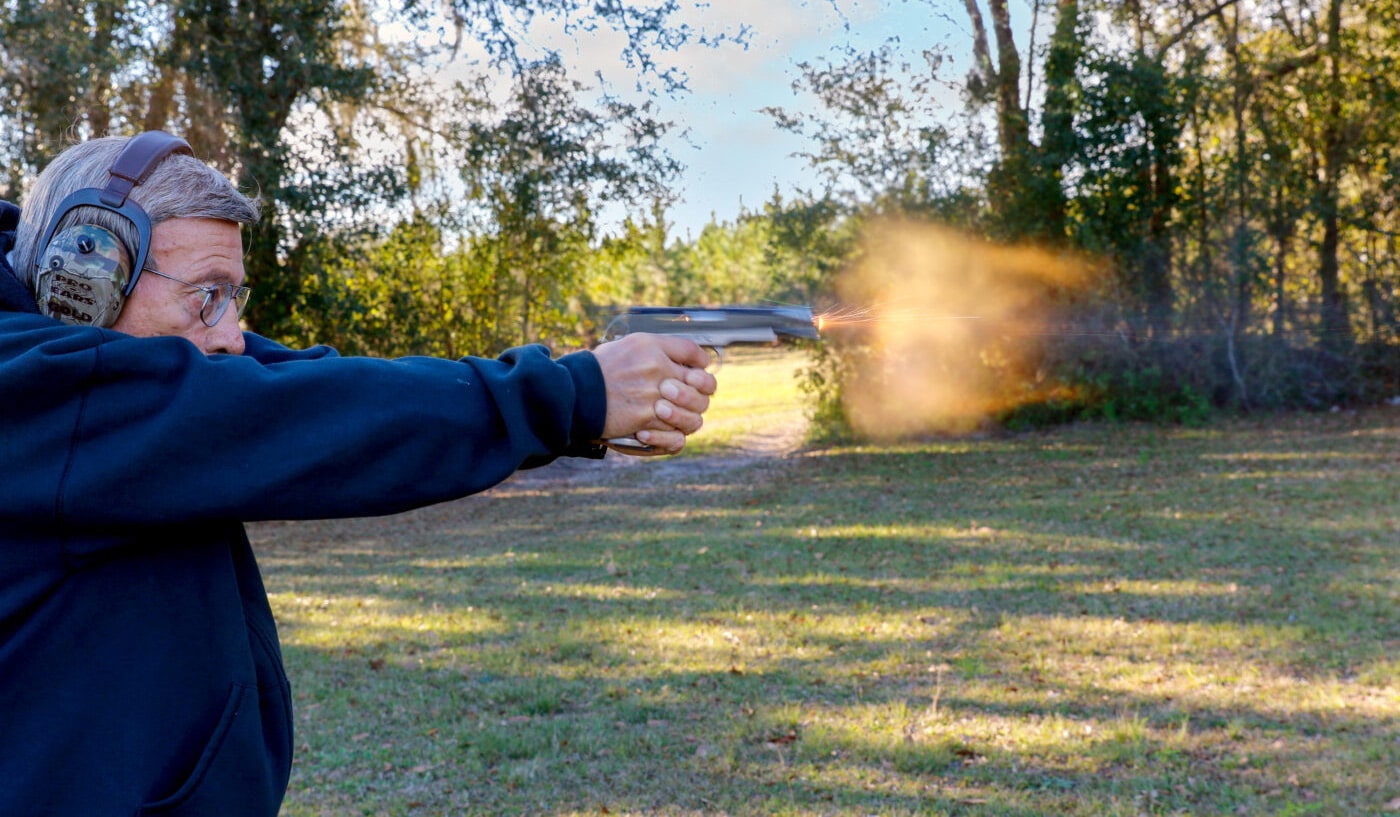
x=202, y=251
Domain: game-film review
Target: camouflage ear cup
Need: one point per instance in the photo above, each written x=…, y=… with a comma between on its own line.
x=82, y=275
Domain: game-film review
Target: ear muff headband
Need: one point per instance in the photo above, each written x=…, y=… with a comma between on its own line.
x=132, y=167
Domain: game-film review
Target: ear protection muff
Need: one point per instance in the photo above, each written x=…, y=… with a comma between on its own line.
x=84, y=272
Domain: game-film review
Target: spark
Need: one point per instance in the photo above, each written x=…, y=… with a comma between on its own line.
x=851, y=316
x=856, y=315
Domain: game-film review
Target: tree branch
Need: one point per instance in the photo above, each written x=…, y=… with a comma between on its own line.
x=1189, y=26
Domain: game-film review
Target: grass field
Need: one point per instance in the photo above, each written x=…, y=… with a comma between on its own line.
x=1091, y=621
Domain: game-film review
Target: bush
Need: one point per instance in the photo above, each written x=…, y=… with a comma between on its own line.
x=822, y=382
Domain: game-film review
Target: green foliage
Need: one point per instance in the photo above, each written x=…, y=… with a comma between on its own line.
x=1232, y=171
x=1128, y=158
x=810, y=241
x=403, y=295
x=536, y=170
x=1217, y=165
x=297, y=99
x=727, y=263
x=822, y=381
x=409, y=294
x=787, y=254
x=60, y=70
x=877, y=138
x=633, y=267
x=1144, y=394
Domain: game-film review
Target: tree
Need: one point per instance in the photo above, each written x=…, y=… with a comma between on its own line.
x=1125, y=192
x=1025, y=186
x=636, y=266
x=539, y=169
x=293, y=98
x=877, y=144
x=59, y=64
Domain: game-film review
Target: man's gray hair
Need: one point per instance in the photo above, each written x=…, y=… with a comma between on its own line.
x=181, y=186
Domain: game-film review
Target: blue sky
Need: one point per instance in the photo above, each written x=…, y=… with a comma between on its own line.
x=733, y=152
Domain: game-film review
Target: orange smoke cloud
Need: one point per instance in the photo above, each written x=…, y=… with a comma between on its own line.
x=953, y=333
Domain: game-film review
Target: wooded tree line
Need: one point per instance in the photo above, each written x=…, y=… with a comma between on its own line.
x=1233, y=165
x=1236, y=163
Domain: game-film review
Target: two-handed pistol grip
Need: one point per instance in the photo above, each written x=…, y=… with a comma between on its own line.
x=713, y=328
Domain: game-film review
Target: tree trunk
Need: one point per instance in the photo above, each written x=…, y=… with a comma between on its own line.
x=1336, y=323
x=1013, y=133
x=1011, y=183
x=1282, y=229
x=1239, y=249
x=1157, y=267
x=1058, y=142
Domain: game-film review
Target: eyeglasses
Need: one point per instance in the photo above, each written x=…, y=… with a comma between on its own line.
x=216, y=298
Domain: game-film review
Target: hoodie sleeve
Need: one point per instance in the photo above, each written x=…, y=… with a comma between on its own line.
x=111, y=430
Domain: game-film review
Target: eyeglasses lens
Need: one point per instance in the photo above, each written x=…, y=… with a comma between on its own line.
x=217, y=299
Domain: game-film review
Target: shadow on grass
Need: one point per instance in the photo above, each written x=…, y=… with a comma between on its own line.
x=725, y=743
x=508, y=645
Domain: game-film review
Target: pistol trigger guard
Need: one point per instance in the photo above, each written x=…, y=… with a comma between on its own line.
x=628, y=445
x=718, y=352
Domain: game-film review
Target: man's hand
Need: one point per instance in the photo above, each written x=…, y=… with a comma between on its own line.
x=657, y=389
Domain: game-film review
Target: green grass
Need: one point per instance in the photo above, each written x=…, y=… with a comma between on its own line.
x=758, y=404
x=1099, y=620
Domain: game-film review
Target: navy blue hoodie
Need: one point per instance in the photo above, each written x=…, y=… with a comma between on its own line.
x=140, y=671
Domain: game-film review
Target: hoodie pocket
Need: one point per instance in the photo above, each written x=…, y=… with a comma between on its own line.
x=235, y=772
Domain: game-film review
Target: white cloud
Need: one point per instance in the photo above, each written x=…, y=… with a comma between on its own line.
x=733, y=151
x=773, y=31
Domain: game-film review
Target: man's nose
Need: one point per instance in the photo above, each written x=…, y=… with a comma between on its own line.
x=225, y=337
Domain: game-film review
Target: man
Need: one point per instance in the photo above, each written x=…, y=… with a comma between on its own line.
x=140, y=671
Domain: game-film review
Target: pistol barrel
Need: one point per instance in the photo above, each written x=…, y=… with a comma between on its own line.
x=741, y=323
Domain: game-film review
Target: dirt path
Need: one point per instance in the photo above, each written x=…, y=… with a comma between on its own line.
x=768, y=446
